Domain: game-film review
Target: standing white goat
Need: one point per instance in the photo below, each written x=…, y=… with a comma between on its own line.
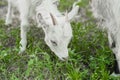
x=108, y=12
x=56, y=26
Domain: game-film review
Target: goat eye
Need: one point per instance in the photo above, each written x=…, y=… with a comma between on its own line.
x=53, y=43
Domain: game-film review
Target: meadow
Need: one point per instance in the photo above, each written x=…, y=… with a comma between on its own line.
x=90, y=56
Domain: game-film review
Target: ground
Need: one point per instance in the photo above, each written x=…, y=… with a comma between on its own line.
x=90, y=57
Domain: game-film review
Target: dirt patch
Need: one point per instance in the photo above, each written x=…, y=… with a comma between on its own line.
x=3, y=11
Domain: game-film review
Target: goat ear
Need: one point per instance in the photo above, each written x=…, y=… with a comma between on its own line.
x=41, y=21
x=66, y=16
x=73, y=13
x=39, y=16
x=56, y=2
x=54, y=21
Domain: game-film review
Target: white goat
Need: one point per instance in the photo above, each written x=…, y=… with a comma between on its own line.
x=56, y=26
x=108, y=12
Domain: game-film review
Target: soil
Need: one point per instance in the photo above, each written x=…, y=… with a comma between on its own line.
x=3, y=11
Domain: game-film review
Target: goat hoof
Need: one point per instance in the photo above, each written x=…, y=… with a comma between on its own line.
x=7, y=23
x=22, y=50
x=115, y=75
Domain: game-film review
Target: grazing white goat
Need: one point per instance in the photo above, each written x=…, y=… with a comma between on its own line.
x=108, y=12
x=56, y=26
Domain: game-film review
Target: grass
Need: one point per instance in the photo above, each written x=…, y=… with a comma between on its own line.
x=2, y=3
x=90, y=57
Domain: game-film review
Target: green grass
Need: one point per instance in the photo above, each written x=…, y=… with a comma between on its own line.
x=3, y=3
x=90, y=57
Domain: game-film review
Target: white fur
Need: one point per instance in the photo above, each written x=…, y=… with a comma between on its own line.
x=108, y=12
x=57, y=36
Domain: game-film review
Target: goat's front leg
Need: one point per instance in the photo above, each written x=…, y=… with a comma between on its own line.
x=24, y=30
x=117, y=56
x=9, y=13
x=112, y=42
x=117, y=64
x=110, y=39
